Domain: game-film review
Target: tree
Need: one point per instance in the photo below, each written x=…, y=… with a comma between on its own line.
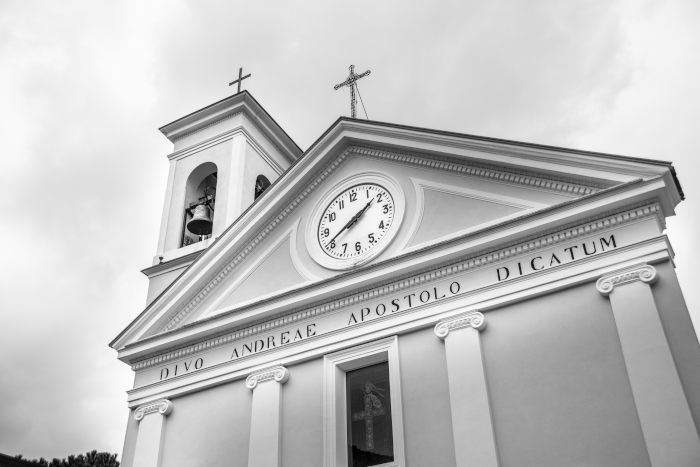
x=89, y=459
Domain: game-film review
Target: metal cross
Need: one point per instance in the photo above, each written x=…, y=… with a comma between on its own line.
x=352, y=83
x=240, y=79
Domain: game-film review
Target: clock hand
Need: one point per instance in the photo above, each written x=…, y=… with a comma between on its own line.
x=353, y=220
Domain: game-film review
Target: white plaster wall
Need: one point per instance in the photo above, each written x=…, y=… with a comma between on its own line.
x=156, y=284
x=209, y=428
x=426, y=400
x=302, y=415
x=558, y=384
x=680, y=334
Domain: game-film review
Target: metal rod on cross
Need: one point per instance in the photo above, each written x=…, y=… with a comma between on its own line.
x=351, y=81
x=240, y=79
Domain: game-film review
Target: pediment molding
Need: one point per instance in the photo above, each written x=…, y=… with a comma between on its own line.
x=499, y=174
x=524, y=179
x=474, y=260
x=251, y=244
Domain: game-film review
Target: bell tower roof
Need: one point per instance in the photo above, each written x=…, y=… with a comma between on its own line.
x=217, y=113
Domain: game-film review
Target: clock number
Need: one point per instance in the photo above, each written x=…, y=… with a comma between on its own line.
x=379, y=198
x=341, y=204
x=345, y=247
x=381, y=225
x=386, y=208
x=358, y=246
x=332, y=244
x=331, y=216
x=353, y=196
x=371, y=238
x=326, y=232
x=367, y=191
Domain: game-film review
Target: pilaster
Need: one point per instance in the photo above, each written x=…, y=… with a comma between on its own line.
x=265, y=440
x=472, y=424
x=149, y=441
x=664, y=414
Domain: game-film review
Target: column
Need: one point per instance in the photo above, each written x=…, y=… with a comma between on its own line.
x=667, y=424
x=149, y=441
x=264, y=448
x=472, y=425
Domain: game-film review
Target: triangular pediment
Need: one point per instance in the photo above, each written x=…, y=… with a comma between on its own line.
x=448, y=188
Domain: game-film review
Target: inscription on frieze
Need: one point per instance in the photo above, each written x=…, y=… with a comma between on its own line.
x=383, y=307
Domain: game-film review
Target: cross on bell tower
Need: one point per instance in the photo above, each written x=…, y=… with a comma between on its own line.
x=239, y=80
x=351, y=82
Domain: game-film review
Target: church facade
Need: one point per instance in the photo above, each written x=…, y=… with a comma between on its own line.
x=397, y=296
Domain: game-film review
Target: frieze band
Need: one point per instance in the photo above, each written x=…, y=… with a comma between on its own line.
x=474, y=319
x=645, y=273
x=277, y=373
x=162, y=406
x=444, y=271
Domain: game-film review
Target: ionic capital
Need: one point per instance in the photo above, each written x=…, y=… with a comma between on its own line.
x=277, y=373
x=472, y=319
x=162, y=406
x=645, y=273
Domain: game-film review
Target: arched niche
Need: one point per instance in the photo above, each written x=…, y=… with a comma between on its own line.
x=261, y=184
x=200, y=190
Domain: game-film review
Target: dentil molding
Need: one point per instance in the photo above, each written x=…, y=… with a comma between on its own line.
x=645, y=273
x=277, y=373
x=473, y=319
x=473, y=261
x=162, y=406
x=520, y=178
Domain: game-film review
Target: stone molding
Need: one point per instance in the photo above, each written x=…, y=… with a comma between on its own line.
x=162, y=406
x=498, y=175
x=251, y=244
x=483, y=171
x=277, y=373
x=472, y=262
x=645, y=273
x=473, y=319
x=204, y=127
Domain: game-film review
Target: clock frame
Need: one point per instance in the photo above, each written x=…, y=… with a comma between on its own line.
x=351, y=215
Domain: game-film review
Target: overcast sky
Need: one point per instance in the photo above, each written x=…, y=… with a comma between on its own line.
x=84, y=85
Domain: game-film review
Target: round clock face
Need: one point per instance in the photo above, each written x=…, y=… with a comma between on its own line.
x=356, y=221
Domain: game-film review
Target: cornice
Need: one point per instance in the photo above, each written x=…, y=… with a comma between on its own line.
x=251, y=244
x=221, y=110
x=181, y=136
x=175, y=263
x=507, y=175
x=473, y=319
x=162, y=406
x=464, y=169
x=645, y=273
x=473, y=261
x=276, y=373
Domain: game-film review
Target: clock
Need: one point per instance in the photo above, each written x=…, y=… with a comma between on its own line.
x=355, y=221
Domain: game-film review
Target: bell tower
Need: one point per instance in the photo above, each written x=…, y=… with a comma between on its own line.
x=224, y=156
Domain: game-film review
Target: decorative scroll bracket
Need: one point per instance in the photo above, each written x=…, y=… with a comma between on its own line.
x=645, y=273
x=473, y=319
x=162, y=406
x=277, y=373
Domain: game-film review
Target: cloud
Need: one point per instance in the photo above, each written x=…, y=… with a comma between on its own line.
x=86, y=84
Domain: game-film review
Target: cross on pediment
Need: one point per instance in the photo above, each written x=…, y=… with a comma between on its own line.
x=351, y=82
x=373, y=408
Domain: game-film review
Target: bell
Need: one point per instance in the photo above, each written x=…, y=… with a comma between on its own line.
x=200, y=224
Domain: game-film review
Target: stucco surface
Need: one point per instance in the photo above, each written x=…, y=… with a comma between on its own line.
x=209, y=428
x=426, y=400
x=302, y=415
x=680, y=333
x=558, y=385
